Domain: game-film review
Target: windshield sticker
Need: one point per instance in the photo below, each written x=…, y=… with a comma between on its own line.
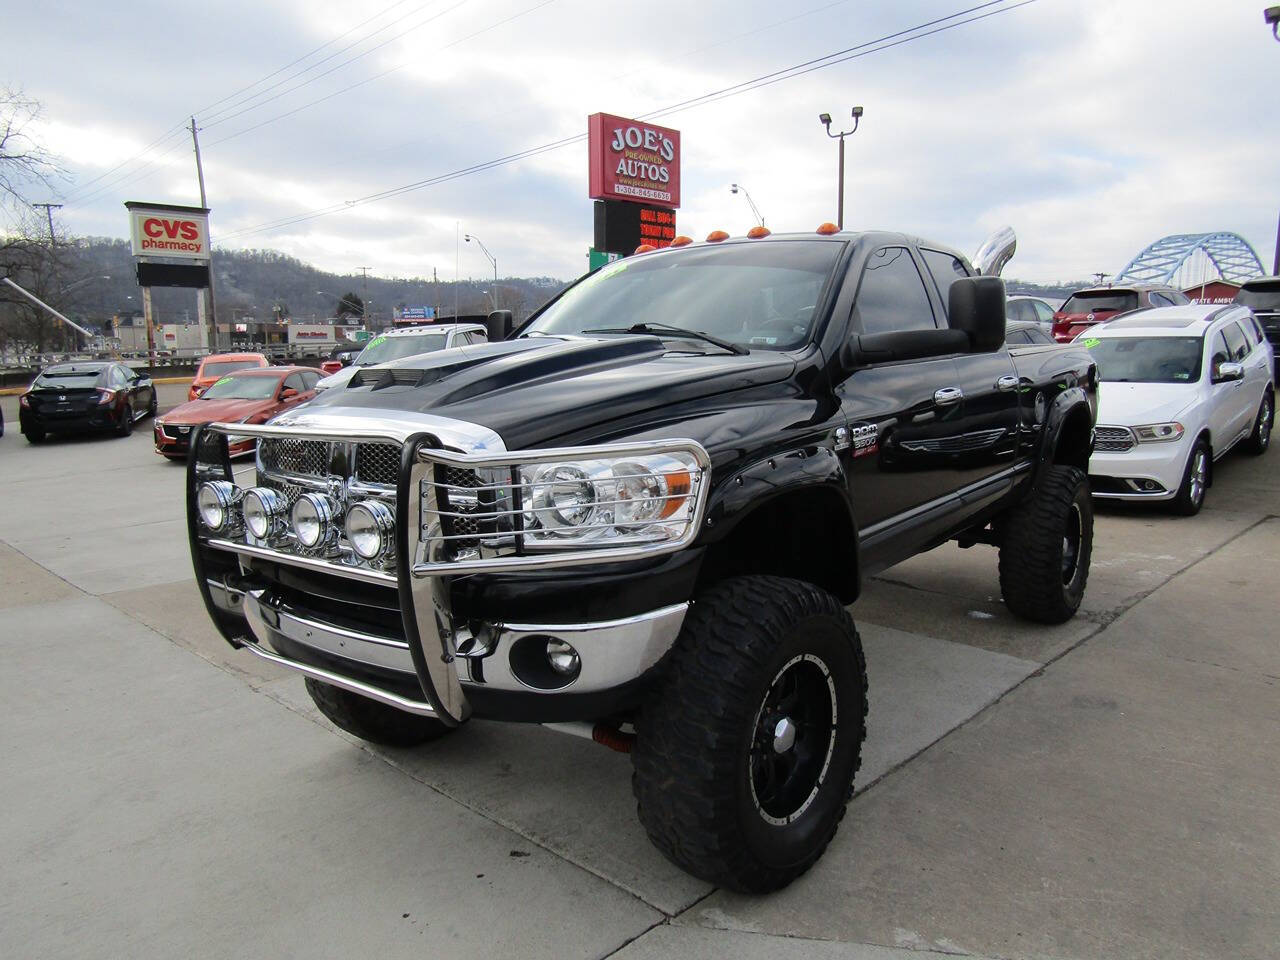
x=373, y=343
x=768, y=341
x=1091, y=343
x=1182, y=375
x=222, y=381
x=609, y=270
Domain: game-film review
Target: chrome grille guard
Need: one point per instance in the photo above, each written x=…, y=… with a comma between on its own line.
x=425, y=546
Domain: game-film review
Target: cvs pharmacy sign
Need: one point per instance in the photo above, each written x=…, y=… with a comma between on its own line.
x=167, y=230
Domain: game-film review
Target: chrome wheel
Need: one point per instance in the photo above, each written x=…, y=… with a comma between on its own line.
x=793, y=740
x=1264, y=423
x=1199, y=475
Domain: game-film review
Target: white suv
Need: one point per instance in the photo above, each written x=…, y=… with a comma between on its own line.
x=406, y=342
x=1180, y=386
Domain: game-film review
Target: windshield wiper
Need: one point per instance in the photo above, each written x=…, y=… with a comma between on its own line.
x=657, y=329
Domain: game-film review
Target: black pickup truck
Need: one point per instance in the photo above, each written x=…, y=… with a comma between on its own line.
x=641, y=517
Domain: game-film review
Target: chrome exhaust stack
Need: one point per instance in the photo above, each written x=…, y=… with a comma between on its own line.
x=996, y=251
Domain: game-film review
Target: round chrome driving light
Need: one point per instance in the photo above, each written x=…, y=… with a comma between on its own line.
x=369, y=527
x=563, y=658
x=215, y=500
x=265, y=512
x=313, y=520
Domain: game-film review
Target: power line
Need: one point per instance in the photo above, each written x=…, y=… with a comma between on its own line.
x=886, y=42
x=291, y=63
x=79, y=196
x=376, y=76
x=216, y=118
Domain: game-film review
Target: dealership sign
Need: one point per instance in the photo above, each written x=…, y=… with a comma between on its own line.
x=632, y=160
x=167, y=230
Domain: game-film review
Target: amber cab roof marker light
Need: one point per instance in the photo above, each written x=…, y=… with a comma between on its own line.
x=681, y=241
x=645, y=248
x=715, y=236
x=755, y=233
x=828, y=228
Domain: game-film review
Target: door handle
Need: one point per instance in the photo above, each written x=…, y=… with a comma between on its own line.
x=947, y=396
x=1007, y=384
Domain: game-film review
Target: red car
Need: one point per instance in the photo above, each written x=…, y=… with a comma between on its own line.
x=217, y=365
x=1084, y=308
x=246, y=396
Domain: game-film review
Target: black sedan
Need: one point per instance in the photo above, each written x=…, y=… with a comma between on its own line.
x=69, y=397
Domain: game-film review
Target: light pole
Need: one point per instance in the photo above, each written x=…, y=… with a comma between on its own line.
x=825, y=119
x=492, y=259
x=738, y=188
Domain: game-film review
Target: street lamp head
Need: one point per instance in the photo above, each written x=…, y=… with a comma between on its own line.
x=733, y=188
x=466, y=237
x=857, y=112
x=825, y=119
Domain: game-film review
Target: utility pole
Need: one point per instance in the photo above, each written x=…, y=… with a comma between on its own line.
x=364, y=295
x=48, y=212
x=206, y=297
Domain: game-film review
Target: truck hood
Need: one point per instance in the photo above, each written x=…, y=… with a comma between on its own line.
x=1132, y=404
x=533, y=390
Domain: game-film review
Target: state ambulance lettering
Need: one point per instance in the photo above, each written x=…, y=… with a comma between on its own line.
x=161, y=234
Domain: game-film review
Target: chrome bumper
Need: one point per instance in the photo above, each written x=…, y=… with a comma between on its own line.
x=612, y=652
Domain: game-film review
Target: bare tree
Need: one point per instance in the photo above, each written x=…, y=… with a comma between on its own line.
x=25, y=163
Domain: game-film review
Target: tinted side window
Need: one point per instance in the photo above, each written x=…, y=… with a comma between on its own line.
x=309, y=379
x=1016, y=337
x=117, y=377
x=1178, y=297
x=1220, y=354
x=1160, y=300
x=945, y=269
x=1236, y=342
x=891, y=295
x=475, y=336
x=294, y=382
x=1043, y=313
x=1252, y=332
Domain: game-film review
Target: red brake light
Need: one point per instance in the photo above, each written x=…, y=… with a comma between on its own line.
x=108, y=396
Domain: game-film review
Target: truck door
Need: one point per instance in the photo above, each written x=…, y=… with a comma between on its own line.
x=899, y=415
x=985, y=445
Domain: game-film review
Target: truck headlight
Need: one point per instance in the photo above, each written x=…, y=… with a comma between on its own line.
x=216, y=499
x=313, y=519
x=264, y=512
x=1159, y=432
x=370, y=526
x=636, y=499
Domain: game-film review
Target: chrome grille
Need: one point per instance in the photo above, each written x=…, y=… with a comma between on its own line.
x=306, y=458
x=1112, y=439
x=464, y=506
x=378, y=463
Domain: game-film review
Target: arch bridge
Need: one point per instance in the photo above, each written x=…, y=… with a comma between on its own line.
x=1186, y=259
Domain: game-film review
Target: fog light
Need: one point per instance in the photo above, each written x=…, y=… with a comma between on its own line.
x=313, y=520
x=563, y=658
x=369, y=528
x=215, y=500
x=264, y=512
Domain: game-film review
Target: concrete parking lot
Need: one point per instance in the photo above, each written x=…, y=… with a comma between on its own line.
x=1107, y=788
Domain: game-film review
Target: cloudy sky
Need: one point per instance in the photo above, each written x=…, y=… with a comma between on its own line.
x=1090, y=126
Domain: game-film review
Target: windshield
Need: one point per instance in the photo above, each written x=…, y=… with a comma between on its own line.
x=396, y=348
x=1093, y=302
x=222, y=367
x=242, y=388
x=1260, y=298
x=67, y=379
x=1146, y=359
x=759, y=297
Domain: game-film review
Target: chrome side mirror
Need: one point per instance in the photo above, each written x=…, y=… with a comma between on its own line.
x=1229, y=371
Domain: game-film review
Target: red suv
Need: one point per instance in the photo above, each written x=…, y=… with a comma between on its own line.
x=1084, y=308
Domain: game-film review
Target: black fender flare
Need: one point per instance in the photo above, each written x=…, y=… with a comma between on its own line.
x=1065, y=411
x=753, y=486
